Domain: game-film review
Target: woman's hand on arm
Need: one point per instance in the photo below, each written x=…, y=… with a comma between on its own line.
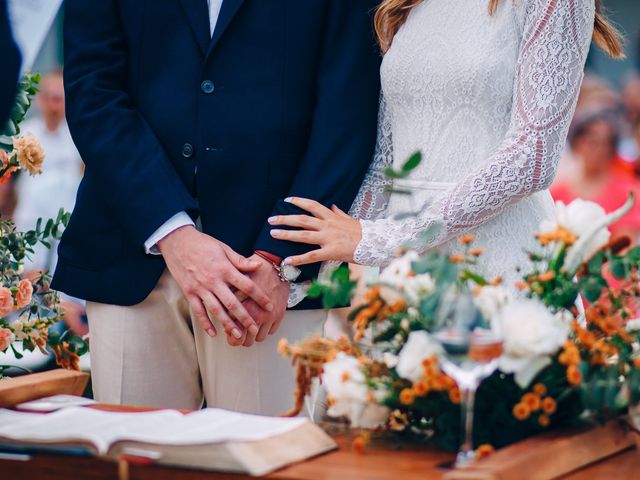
x=336, y=233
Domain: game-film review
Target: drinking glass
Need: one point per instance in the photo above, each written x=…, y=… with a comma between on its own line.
x=470, y=354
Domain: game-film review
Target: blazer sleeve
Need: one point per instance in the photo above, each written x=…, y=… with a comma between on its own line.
x=11, y=66
x=343, y=134
x=124, y=158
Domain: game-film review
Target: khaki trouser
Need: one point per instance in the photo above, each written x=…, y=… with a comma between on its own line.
x=151, y=354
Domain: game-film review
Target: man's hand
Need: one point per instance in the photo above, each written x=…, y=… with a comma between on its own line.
x=266, y=278
x=209, y=272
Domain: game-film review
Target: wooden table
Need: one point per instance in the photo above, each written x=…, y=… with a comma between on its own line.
x=379, y=462
x=375, y=464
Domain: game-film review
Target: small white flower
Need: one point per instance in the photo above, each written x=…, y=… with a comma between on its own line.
x=398, y=281
x=531, y=334
x=418, y=348
x=633, y=325
x=405, y=324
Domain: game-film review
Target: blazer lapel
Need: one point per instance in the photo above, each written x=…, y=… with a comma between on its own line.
x=197, y=13
x=227, y=12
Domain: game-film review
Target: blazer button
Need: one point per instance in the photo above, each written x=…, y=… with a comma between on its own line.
x=187, y=150
x=207, y=86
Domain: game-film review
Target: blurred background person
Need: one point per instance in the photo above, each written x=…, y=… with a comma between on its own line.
x=630, y=144
x=44, y=195
x=600, y=174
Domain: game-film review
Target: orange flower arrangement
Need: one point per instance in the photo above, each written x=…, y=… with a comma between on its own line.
x=521, y=411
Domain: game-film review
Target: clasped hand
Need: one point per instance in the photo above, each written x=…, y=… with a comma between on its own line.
x=223, y=286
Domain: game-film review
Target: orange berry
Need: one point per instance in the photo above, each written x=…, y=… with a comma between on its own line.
x=544, y=421
x=540, y=389
x=407, y=397
x=420, y=389
x=455, y=396
x=549, y=405
x=521, y=411
x=467, y=239
x=456, y=258
x=532, y=401
x=359, y=444
x=573, y=375
x=547, y=276
x=484, y=451
x=636, y=362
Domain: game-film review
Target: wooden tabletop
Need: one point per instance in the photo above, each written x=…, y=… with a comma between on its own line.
x=377, y=463
x=380, y=461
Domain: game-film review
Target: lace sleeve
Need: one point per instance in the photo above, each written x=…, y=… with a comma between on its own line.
x=550, y=68
x=373, y=198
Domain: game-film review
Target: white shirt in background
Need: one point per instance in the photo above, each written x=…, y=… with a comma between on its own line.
x=42, y=196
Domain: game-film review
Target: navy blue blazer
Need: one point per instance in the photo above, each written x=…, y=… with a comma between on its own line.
x=10, y=66
x=281, y=101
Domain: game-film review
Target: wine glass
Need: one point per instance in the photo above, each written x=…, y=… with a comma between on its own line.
x=470, y=354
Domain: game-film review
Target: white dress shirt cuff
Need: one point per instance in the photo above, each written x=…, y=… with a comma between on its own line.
x=179, y=220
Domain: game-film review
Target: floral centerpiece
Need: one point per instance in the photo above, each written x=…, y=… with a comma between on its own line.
x=571, y=346
x=28, y=306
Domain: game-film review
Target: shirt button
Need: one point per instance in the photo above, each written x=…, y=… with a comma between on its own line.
x=187, y=150
x=207, y=86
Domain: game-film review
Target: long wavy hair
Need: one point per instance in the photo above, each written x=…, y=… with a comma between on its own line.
x=391, y=14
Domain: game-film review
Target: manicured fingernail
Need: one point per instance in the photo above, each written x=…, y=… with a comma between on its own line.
x=287, y=261
x=288, y=199
x=253, y=330
x=273, y=219
x=211, y=332
x=276, y=233
x=269, y=307
x=236, y=333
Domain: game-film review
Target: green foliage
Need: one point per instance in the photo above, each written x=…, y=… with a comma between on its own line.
x=27, y=88
x=409, y=166
x=336, y=292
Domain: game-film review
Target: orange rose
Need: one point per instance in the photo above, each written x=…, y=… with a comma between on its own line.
x=6, y=338
x=25, y=293
x=6, y=302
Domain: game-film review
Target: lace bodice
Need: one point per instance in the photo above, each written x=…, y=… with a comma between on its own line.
x=488, y=101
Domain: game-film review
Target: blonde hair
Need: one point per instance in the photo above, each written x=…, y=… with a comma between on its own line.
x=392, y=14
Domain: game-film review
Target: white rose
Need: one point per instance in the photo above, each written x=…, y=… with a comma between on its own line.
x=418, y=348
x=491, y=300
x=531, y=334
x=579, y=217
x=399, y=282
x=346, y=384
x=344, y=379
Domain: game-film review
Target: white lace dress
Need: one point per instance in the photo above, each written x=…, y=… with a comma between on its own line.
x=488, y=101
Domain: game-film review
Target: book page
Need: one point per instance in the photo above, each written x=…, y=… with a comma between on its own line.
x=165, y=427
x=218, y=426
x=84, y=424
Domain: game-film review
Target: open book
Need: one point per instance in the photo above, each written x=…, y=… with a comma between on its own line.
x=209, y=439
